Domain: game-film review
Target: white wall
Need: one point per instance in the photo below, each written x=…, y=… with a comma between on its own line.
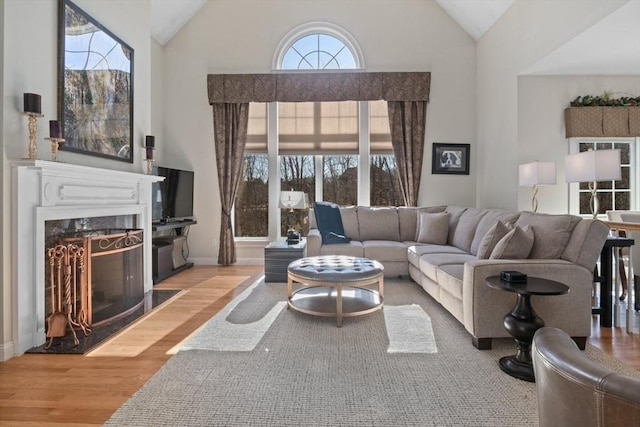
x=29, y=32
x=157, y=93
x=541, y=133
x=224, y=38
x=525, y=33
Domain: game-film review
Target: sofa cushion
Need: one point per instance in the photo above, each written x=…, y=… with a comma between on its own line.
x=416, y=251
x=454, y=216
x=429, y=263
x=408, y=218
x=551, y=233
x=350, y=222
x=329, y=220
x=586, y=242
x=353, y=248
x=489, y=220
x=385, y=250
x=378, y=224
x=450, y=278
x=491, y=239
x=432, y=228
x=516, y=244
x=466, y=228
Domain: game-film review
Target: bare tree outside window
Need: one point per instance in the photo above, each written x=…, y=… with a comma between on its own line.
x=385, y=184
x=340, y=179
x=251, y=217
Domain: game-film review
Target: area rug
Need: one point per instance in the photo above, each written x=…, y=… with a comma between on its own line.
x=306, y=371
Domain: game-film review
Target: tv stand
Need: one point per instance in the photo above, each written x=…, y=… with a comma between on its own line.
x=167, y=250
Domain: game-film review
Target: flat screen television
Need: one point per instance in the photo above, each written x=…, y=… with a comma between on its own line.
x=172, y=199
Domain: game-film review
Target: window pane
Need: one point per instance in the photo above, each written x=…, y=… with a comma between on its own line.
x=251, y=217
x=340, y=179
x=318, y=52
x=385, y=186
x=298, y=174
x=318, y=128
x=257, y=129
x=612, y=195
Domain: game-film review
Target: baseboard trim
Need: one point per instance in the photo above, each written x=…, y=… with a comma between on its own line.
x=7, y=351
x=214, y=261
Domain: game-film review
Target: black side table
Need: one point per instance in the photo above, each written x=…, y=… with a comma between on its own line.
x=522, y=322
x=278, y=255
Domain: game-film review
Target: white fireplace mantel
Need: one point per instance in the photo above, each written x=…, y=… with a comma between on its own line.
x=43, y=191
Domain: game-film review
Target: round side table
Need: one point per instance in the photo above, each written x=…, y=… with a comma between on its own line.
x=523, y=322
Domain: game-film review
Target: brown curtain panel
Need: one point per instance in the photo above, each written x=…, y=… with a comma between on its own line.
x=407, y=120
x=230, y=122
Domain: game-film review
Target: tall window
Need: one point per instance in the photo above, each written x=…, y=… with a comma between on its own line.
x=318, y=146
x=251, y=209
x=612, y=195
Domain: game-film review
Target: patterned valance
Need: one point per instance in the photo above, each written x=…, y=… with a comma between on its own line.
x=314, y=86
x=602, y=122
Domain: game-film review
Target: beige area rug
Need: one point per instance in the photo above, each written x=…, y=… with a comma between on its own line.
x=305, y=371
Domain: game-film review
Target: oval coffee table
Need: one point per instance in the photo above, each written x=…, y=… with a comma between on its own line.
x=334, y=286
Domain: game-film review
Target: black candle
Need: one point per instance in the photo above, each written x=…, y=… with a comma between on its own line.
x=150, y=141
x=149, y=153
x=32, y=103
x=54, y=129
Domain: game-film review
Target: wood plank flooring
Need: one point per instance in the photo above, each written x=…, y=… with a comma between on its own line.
x=72, y=390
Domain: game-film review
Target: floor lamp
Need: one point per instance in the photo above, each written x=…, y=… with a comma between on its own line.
x=593, y=166
x=293, y=200
x=535, y=174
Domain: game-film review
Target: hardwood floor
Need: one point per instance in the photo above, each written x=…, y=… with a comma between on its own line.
x=72, y=390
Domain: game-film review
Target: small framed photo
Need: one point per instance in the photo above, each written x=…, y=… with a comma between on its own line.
x=450, y=159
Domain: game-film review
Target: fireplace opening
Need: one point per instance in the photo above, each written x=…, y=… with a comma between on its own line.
x=110, y=283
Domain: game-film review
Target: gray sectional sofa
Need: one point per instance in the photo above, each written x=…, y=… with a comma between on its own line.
x=451, y=250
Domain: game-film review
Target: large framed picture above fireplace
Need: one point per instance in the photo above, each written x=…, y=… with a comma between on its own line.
x=95, y=86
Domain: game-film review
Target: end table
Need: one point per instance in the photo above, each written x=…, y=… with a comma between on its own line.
x=522, y=322
x=277, y=257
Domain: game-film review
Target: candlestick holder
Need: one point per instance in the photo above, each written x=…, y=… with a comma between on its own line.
x=33, y=134
x=149, y=166
x=56, y=143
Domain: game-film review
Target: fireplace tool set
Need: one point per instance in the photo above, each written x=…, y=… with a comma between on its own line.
x=69, y=299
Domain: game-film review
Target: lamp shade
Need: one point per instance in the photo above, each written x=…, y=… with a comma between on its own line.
x=293, y=200
x=590, y=166
x=537, y=173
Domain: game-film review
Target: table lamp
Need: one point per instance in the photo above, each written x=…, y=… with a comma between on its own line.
x=535, y=174
x=593, y=166
x=293, y=200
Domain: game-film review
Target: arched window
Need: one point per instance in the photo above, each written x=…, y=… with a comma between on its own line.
x=318, y=52
x=318, y=46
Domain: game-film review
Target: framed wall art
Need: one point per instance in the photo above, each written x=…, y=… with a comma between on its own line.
x=450, y=159
x=95, y=86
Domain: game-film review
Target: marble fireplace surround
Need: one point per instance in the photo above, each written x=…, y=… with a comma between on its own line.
x=43, y=191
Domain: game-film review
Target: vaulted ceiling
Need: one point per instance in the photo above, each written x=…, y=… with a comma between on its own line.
x=611, y=46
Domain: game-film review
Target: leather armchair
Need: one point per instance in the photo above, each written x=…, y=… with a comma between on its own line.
x=574, y=390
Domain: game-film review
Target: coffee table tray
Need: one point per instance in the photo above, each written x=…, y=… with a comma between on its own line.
x=322, y=301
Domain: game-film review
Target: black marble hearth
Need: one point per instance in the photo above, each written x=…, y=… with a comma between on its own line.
x=99, y=334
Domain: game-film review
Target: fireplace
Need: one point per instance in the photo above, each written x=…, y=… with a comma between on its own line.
x=52, y=193
x=111, y=281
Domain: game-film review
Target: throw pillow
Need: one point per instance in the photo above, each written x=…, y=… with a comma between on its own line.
x=491, y=239
x=433, y=228
x=516, y=244
x=329, y=223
